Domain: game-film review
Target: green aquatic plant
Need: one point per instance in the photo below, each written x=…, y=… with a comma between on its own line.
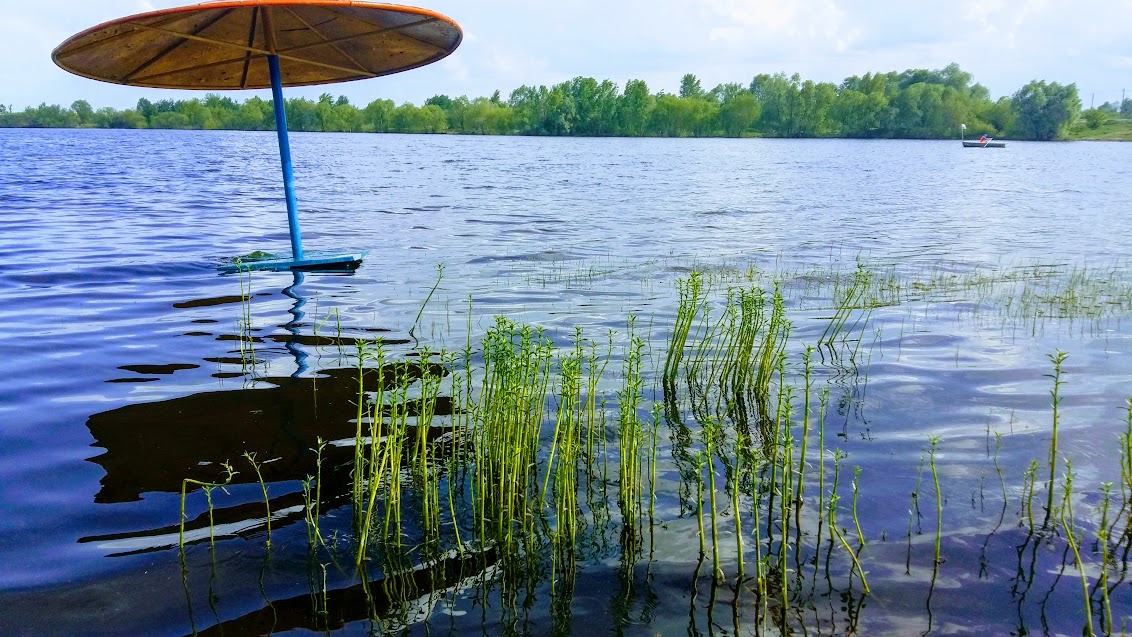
x=1068, y=525
x=244, y=330
x=529, y=422
x=420, y=313
x=566, y=447
x=933, y=444
x=691, y=294
x=1103, y=539
x=507, y=419
x=1057, y=359
x=250, y=457
x=630, y=432
x=846, y=300
x=207, y=487
x=312, y=498
x=710, y=431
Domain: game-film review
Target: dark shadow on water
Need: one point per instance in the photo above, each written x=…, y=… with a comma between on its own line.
x=398, y=598
x=154, y=446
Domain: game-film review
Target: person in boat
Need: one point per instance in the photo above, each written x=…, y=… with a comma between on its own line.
x=983, y=139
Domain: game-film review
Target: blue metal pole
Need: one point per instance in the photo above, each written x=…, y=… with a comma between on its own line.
x=285, y=157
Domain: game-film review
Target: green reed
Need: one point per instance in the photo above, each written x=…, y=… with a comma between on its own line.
x=741, y=573
x=312, y=499
x=836, y=531
x=1072, y=538
x=709, y=432
x=731, y=361
x=1103, y=533
x=420, y=313
x=856, y=520
x=566, y=443
x=692, y=298
x=507, y=419
x=808, y=368
x=732, y=372
x=914, y=513
x=424, y=468
x=654, y=430
x=1029, y=483
x=1126, y=455
x=630, y=432
x=244, y=331
x=846, y=300
x=363, y=465
x=1057, y=359
x=700, y=461
x=207, y=487
x=933, y=444
x=250, y=457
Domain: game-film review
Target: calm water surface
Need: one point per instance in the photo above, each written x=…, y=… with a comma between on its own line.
x=123, y=372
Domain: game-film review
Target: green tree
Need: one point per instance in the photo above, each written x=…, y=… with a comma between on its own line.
x=559, y=115
x=999, y=115
x=83, y=111
x=107, y=117
x=723, y=92
x=1044, y=111
x=633, y=108
x=527, y=109
x=50, y=116
x=738, y=113
x=690, y=87
x=811, y=109
x=377, y=117
x=443, y=101
x=777, y=95
x=674, y=116
x=594, y=106
x=860, y=114
x=200, y=116
x=408, y=118
x=301, y=114
x=1094, y=117
x=255, y=114
x=146, y=109
x=485, y=117
x=170, y=120
x=918, y=111
x=433, y=119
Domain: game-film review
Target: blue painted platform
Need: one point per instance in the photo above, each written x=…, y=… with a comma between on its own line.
x=312, y=261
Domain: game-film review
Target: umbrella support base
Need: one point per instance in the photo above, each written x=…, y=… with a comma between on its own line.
x=317, y=261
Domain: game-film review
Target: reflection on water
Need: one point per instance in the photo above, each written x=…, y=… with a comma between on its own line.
x=154, y=446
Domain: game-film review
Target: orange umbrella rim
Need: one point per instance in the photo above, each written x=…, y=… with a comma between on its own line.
x=232, y=4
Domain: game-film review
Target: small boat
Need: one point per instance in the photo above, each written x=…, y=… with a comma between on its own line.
x=982, y=142
x=989, y=143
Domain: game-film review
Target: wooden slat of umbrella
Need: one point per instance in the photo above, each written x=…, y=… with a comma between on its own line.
x=224, y=45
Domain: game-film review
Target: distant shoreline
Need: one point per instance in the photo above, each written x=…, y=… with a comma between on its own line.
x=913, y=104
x=1073, y=138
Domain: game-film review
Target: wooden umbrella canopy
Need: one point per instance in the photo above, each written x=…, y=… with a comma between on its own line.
x=254, y=44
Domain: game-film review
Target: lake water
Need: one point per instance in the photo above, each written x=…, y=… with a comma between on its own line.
x=124, y=375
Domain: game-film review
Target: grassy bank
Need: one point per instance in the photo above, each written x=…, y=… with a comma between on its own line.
x=1113, y=130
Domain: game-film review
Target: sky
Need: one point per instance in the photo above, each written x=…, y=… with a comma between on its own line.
x=509, y=43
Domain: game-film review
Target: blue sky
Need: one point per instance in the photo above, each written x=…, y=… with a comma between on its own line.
x=1004, y=43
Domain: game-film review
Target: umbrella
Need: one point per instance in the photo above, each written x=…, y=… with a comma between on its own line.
x=249, y=44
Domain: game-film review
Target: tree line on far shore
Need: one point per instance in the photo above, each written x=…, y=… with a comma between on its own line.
x=913, y=104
